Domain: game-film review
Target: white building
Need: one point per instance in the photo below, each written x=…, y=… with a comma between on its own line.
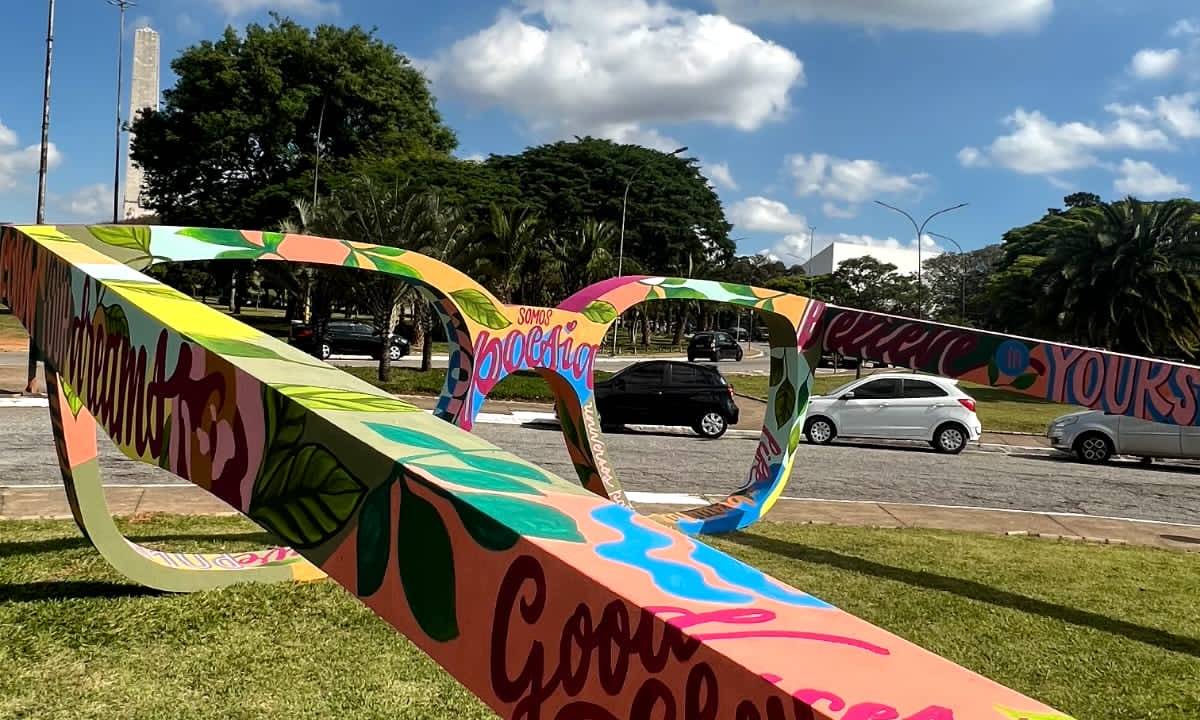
x=828, y=260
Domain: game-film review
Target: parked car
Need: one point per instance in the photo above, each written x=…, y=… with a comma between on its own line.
x=1095, y=437
x=898, y=407
x=762, y=333
x=713, y=345
x=347, y=337
x=740, y=334
x=664, y=392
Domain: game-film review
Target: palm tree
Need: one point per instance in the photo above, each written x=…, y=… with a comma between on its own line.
x=1126, y=276
x=505, y=247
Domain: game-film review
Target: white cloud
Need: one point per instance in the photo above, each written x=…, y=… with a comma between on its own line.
x=310, y=8
x=1180, y=113
x=1060, y=183
x=1142, y=179
x=1150, y=64
x=760, y=214
x=850, y=181
x=575, y=67
x=88, y=204
x=1039, y=145
x=833, y=210
x=1184, y=28
x=475, y=157
x=721, y=175
x=984, y=16
x=17, y=163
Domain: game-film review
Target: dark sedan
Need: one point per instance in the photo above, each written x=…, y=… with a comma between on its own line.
x=663, y=392
x=347, y=337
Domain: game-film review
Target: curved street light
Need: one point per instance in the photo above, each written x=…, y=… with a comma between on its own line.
x=621, y=249
x=962, y=274
x=920, y=231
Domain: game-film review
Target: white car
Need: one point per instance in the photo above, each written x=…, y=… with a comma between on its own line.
x=1094, y=437
x=896, y=406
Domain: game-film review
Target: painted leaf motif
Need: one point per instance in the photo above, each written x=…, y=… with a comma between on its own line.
x=218, y=236
x=391, y=267
x=993, y=372
x=768, y=305
x=794, y=439
x=527, y=518
x=736, y=289
x=414, y=438
x=684, y=293
x=74, y=402
x=426, y=559
x=271, y=241
x=130, y=237
x=374, y=540
x=157, y=290
x=503, y=466
x=351, y=260
x=236, y=348
x=478, y=479
x=320, y=398
x=247, y=254
x=479, y=308
x=777, y=370
x=488, y=532
x=284, y=420
x=385, y=250
x=600, y=311
x=785, y=402
x=306, y=496
x=673, y=282
x=1024, y=382
x=115, y=322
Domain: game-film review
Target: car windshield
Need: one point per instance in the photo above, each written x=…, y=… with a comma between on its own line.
x=838, y=390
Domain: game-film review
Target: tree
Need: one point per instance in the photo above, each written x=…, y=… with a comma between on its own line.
x=1081, y=200
x=953, y=280
x=237, y=140
x=505, y=249
x=1126, y=276
x=672, y=210
x=867, y=284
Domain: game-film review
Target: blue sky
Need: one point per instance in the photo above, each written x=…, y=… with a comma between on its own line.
x=802, y=111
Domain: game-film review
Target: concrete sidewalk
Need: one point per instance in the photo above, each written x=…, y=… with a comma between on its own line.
x=49, y=502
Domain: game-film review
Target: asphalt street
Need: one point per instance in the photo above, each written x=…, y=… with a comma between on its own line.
x=685, y=464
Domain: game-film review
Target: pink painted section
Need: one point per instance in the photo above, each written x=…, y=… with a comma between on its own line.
x=595, y=291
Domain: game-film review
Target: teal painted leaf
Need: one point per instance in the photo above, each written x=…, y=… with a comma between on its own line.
x=305, y=496
x=600, y=311
x=322, y=398
x=218, y=236
x=479, y=308
x=993, y=372
x=426, y=559
x=526, y=518
x=478, y=479
x=414, y=438
x=503, y=466
x=785, y=402
x=391, y=267
x=1024, y=382
x=488, y=532
x=115, y=322
x=374, y=539
x=130, y=237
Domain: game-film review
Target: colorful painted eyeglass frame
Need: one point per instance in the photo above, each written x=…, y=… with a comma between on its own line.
x=420, y=520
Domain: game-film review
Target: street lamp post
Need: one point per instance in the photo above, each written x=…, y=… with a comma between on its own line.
x=621, y=247
x=31, y=383
x=120, y=5
x=962, y=274
x=920, y=232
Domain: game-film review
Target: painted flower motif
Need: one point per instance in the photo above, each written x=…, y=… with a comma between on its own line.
x=216, y=427
x=1012, y=357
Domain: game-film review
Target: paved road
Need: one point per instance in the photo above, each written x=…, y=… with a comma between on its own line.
x=657, y=463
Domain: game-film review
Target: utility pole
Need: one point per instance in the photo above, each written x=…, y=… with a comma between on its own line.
x=122, y=5
x=920, y=233
x=621, y=250
x=31, y=384
x=812, y=240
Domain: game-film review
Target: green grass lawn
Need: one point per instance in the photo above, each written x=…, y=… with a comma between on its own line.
x=1096, y=631
x=11, y=330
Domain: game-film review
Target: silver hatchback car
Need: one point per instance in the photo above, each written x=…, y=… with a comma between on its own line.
x=1094, y=437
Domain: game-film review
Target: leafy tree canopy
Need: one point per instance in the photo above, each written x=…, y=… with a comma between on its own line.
x=672, y=211
x=236, y=141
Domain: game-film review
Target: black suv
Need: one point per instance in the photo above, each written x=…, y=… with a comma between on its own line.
x=662, y=392
x=714, y=346
x=347, y=337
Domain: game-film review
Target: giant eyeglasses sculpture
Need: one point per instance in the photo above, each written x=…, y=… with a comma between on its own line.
x=600, y=613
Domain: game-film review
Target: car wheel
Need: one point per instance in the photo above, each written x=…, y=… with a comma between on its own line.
x=950, y=439
x=1146, y=461
x=326, y=351
x=738, y=357
x=395, y=353
x=712, y=426
x=1094, y=448
x=691, y=358
x=820, y=431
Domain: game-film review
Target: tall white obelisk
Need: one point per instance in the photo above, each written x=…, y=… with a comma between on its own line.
x=143, y=93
